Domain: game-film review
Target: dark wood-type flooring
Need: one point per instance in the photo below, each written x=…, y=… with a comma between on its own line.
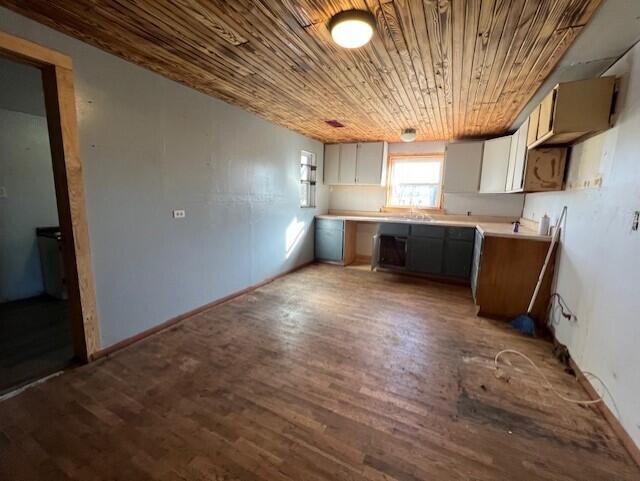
x=35, y=340
x=326, y=374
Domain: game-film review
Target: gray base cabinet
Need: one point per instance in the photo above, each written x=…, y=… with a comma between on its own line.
x=424, y=255
x=329, y=240
x=457, y=259
x=441, y=251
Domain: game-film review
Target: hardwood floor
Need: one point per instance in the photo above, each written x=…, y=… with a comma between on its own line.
x=35, y=340
x=326, y=374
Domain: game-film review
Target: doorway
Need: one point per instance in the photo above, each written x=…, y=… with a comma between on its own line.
x=47, y=303
x=35, y=334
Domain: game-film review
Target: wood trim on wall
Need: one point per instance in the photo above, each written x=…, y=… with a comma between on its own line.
x=611, y=419
x=176, y=320
x=59, y=93
x=28, y=52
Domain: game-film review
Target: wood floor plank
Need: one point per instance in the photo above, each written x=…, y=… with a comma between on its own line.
x=329, y=373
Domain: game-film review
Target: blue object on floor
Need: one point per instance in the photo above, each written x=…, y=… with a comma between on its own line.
x=525, y=324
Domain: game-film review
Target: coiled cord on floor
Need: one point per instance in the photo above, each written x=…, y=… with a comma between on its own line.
x=561, y=396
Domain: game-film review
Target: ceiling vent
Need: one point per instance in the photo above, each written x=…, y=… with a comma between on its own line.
x=334, y=123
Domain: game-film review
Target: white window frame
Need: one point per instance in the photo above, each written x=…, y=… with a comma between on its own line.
x=309, y=202
x=393, y=158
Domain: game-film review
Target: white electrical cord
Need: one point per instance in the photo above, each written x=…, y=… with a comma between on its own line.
x=564, y=398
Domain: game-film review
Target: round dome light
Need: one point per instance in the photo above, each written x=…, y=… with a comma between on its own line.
x=408, y=135
x=352, y=28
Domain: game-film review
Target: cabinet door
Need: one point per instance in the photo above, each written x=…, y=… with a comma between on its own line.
x=511, y=167
x=495, y=161
x=369, y=160
x=331, y=164
x=521, y=156
x=328, y=244
x=532, y=129
x=424, y=255
x=462, y=166
x=475, y=268
x=348, y=155
x=545, y=122
x=458, y=258
x=544, y=170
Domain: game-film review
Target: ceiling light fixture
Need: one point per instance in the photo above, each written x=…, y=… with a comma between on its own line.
x=352, y=28
x=408, y=135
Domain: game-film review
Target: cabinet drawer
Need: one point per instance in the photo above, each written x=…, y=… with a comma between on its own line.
x=386, y=228
x=461, y=233
x=434, y=231
x=330, y=224
x=328, y=245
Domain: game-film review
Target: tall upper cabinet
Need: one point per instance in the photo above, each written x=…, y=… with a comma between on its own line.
x=495, y=163
x=363, y=163
x=462, y=166
x=517, y=157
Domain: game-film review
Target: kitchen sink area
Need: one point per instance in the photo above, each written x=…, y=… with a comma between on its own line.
x=482, y=252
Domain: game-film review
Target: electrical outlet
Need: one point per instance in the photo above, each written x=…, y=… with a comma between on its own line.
x=3, y=192
x=179, y=214
x=636, y=220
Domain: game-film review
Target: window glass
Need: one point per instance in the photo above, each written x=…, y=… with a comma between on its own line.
x=307, y=179
x=415, y=182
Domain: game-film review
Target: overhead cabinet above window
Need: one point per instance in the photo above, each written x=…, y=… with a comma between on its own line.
x=363, y=163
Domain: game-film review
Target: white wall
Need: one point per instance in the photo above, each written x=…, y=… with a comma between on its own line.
x=26, y=174
x=372, y=199
x=21, y=88
x=150, y=145
x=599, y=266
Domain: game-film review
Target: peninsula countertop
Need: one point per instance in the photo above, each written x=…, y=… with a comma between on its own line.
x=490, y=228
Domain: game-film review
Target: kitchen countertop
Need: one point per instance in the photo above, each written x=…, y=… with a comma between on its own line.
x=492, y=229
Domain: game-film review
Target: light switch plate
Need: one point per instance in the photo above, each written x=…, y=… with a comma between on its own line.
x=179, y=214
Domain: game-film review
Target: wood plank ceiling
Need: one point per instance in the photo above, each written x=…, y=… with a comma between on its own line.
x=449, y=68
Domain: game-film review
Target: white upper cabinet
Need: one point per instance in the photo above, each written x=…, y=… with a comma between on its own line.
x=462, y=166
x=332, y=164
x=495, y=164
x=355, y=164
x=511, y=166
x=371, y=163
x=517, y=160
x=348, y=153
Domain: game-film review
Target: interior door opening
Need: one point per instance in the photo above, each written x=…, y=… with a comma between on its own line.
x=35, y=330
x=58, y=262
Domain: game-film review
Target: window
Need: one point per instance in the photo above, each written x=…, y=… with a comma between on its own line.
x=307, y=179
x=415, y=181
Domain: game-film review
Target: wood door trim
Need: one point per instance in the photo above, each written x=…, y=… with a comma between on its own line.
x=59, y=93
x=32, y=53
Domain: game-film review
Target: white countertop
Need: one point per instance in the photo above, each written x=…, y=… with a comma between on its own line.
x=493, y=229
